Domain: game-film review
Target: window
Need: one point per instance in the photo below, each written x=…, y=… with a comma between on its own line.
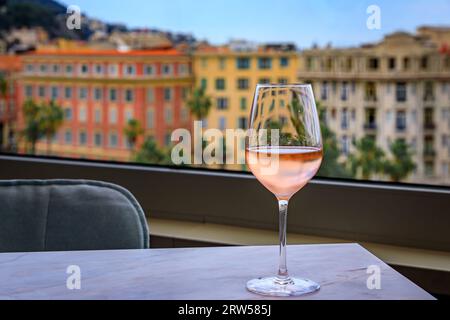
x=220, y=84
x=84, y=69
x=222, y=62
x=372, y=64
x=242, y=83
x=203, y=83
x=98, y=139
x=406, y=63
x=128, y=115
x=82, y=139
x=344, y=91
x=222, y=123
x=242, y=123
x=167, y=69
x=400, y=91
x=243, y=103
x=112, y=94
x=83, y=93
x=129, y=70
x=68, y=136
x=149, y=70
x=129, y=95
x=324, y=91
x=370, y=118
x=184, y=114
x=424, y=63
x=98, y=94
x=29, y=68
x=391, y=63
x=112, y=116
x=167, y=139
x=168, y=117
x=284, y=62
x=282, y=80
x=400, y=120
x=68, y=92
x=54, y=92
x=55, y=69
x=222, y=103
x=43, y=68
x=98, y=69
x=264, y=81
x=428, y=91
x=265, y=63
x=29, y=91
x=69, y=69
x=243, y=63
x=98, y=115
x=82, y=114
x=113, y=70
x=370, y=91
x=150, y=119
x=113, y=140
x=183, y=69
x=344, y=119
x=68, y=114
x=150, y=95
x=345, y=144
x=429, y=118
x=167, y=94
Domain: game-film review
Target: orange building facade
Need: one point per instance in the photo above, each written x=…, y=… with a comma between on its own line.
x=100, y=91
x=9, y=67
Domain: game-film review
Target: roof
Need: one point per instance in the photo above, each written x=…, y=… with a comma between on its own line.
x=10, y=62
x=106, y=53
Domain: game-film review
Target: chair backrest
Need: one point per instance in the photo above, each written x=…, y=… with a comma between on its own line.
x=56, y=215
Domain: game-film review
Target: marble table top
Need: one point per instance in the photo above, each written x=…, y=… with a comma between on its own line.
x=344, y=271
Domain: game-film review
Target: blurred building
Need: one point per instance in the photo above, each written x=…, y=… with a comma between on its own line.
x=398, y=88
x=100, y=91
x=9, y=67
x=230, y=73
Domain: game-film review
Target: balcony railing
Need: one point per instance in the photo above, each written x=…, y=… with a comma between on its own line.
x=429, y=126
x=429, y=152
x=370, y=126
x=371, y=98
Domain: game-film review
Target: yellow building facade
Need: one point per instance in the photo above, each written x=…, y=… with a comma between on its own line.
x=229, y=76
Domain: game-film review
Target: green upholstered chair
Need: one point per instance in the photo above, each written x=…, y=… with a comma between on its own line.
x=55, y=215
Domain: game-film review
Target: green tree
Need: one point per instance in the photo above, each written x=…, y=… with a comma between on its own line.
x=368, y=160
x=150, y=153
x=3, y=86
x=50, y=118
x=132, y=132
x=32, y=131
x=199, y=104
x=331, y=166
x=401, y=164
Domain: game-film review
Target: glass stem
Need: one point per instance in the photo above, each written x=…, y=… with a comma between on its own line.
x=283, y=276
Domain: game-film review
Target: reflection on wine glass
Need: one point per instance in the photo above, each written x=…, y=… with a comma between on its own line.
x=284, y=151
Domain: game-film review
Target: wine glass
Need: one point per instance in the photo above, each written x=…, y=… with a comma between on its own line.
x=283, y=151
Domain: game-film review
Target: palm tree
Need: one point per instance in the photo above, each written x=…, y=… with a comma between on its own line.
x=150, y=153
x=32, y=131
x=199, y=104
x=132, y=131
x=368, y=159
x=50, y=120
x=401, y=164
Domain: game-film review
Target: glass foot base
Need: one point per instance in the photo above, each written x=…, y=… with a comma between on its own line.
x=271, y=286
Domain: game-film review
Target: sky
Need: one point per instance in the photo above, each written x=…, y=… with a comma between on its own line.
x=304, y=22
